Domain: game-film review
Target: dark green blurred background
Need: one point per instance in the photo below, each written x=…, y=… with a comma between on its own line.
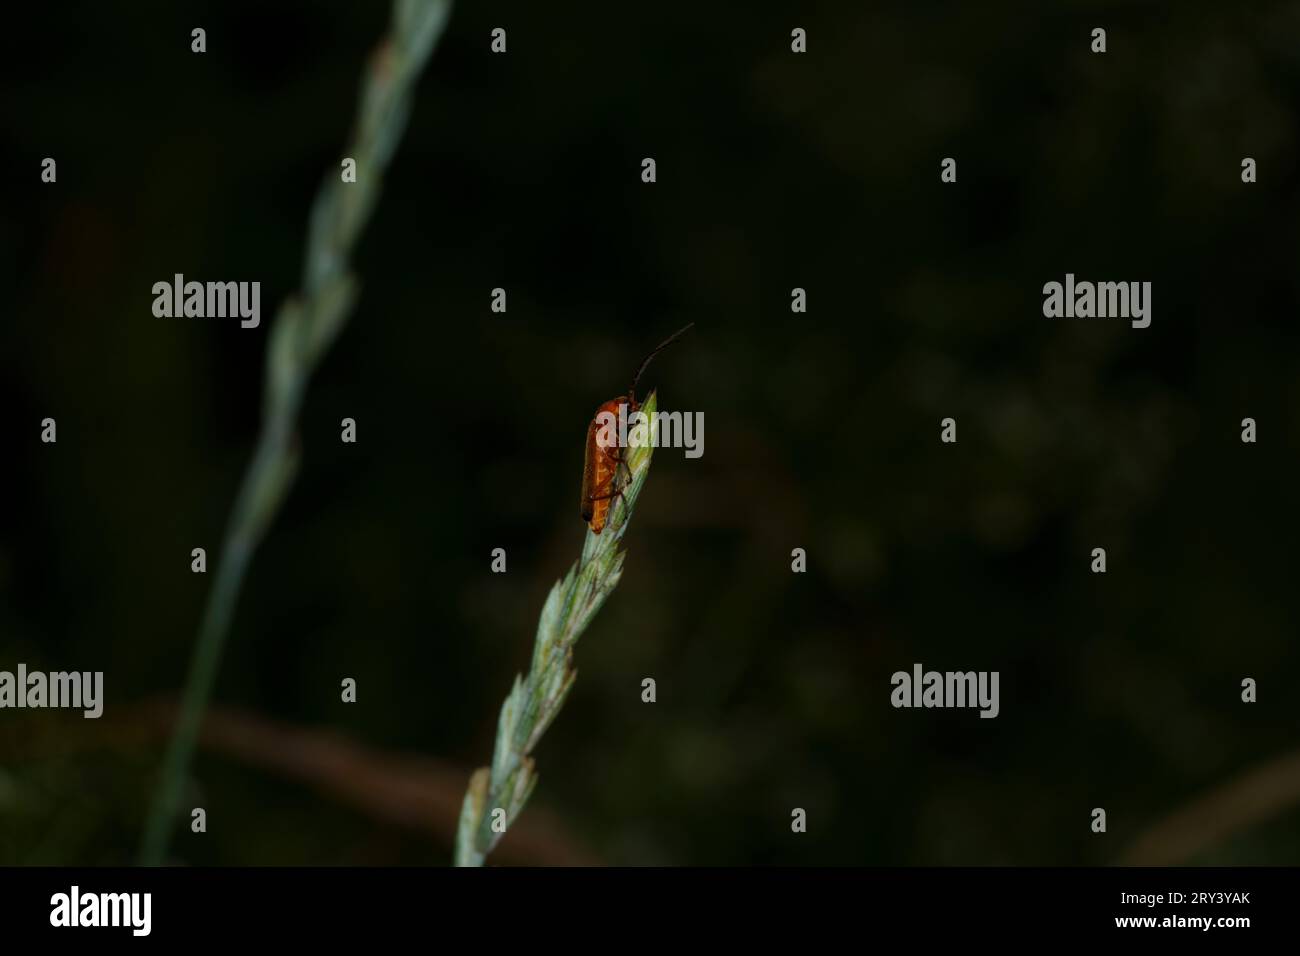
x=822, y=430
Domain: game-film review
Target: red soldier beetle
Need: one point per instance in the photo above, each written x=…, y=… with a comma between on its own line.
x=602, y=463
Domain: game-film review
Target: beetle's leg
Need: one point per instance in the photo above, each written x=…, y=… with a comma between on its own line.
x=619, y=495
x=627, y=469
x=613, y=494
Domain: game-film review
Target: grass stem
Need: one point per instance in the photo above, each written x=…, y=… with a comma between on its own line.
x=536, y=697
x=301, y=334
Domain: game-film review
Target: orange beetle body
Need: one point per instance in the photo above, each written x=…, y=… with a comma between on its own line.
x=601, y=463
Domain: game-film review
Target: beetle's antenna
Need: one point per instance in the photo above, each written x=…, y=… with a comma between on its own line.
x=662, y=345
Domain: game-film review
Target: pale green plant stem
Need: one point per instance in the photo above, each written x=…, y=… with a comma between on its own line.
x=536, y=698
x=299, y=337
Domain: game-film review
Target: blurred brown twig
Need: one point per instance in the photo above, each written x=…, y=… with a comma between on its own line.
x=1207, y=821
x=416, y=792
x=411, y=791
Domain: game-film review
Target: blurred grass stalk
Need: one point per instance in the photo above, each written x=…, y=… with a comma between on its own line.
x=536, y=698
x=300, y=336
